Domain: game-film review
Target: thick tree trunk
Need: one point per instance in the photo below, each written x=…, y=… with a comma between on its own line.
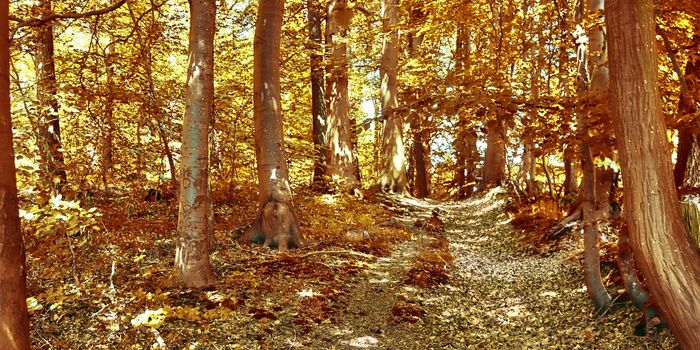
x=340, y=166
x=276, y=224
x=668, y=259
x=494, y=171
x=570, y=183
x=420, y=149
x=14, y=322
x=49, y=128
x=421, y=160
x=192, y=266
x=393, y=176
x=526, y=174
x=318, y=95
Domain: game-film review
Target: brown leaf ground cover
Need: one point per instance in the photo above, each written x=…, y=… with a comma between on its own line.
x=370, y=279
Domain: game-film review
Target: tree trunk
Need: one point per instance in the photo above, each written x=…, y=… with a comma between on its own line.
x=686, y=172
x=276, y=223
x=108, y=137
x=591, y=53
x=393, y=176
x=49, y=128
x=633, y=286
x=318, y=96
x=526, y=174
x=192, y=266
x=156, y=113
x=591, y=272
x=14, y=321
x=668, y=259
x=339, y=158
x=494, y=171
x=420, y=149
x=570, y=183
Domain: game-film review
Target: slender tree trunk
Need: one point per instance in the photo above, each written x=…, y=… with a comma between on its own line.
x=192, y=266
x=339, y=159
x=393, y=177
x=108, y=137
x=14, y=322
x=318, y=96
x=465, y=143
x=591, y=53
x=633, y=286
x=668, y=259
x=276, y=223
x=48, y=124
x=156, y=113
x=688, y=149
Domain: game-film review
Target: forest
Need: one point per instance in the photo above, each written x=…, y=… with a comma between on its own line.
x=346, y=174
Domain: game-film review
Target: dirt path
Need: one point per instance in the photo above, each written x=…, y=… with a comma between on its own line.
x=499, y=296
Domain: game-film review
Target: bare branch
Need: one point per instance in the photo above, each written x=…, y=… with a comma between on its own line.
x=70, y=15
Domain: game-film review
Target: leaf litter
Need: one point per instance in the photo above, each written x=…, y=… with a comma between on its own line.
x=371, y=279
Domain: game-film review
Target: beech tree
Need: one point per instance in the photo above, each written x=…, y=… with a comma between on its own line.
x=276, y=224
x=667, y=258
x=318, y=95
x=393, y=176
x=48, y=123
x=192, y=266
x=340, y=167
x=14, y=321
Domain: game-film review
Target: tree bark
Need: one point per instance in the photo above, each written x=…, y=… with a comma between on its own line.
x=494, y=171
x=192, y=265
x=668, y=259
x=108, y=137
x=570, y=183
x=686, y=172
x=49, y=128
x=340, y=167
x=14, y=321
x=591, y=53
x=318, y=95
x=276, y=223
x=420, y=149
x=393, y=176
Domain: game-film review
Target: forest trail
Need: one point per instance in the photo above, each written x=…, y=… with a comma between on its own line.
x=499, y=295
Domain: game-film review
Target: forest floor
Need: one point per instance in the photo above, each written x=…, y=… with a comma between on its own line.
x=381, y=274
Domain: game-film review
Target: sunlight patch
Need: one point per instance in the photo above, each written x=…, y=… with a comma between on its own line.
x=362, y=342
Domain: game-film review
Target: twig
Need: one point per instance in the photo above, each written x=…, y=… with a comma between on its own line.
x=329, y=252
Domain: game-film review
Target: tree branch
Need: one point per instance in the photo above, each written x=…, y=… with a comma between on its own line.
x=70, y=15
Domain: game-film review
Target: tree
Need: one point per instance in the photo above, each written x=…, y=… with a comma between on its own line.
x=48, y=124
x=591, y=53
x=318, y=95
x=494, y=170
x=276, y=223
x=393, y=176
x=192, y=266
x=419, y=168
x=667, y=258
x=466, y=153
x=340, y=167
x=14, y=321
